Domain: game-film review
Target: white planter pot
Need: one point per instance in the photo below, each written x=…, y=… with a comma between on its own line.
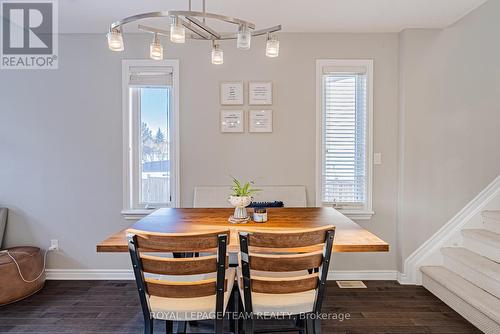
x=240, y=203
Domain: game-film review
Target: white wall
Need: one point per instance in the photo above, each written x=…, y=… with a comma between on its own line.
x=450, y=121
x=60, y=136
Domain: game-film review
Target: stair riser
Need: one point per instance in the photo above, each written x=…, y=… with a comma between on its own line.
x=487, y=283
x=484, y=249
x=477, y=318
x=491, y=225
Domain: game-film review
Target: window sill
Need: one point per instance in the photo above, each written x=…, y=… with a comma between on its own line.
x=357, y=214
x=136, y=214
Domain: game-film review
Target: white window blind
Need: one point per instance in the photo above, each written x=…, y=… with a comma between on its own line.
x=158, y=76
x=344, y=179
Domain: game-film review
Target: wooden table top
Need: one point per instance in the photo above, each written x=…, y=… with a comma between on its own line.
x=349, y=236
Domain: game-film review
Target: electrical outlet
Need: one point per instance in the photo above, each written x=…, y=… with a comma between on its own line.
x=377, y=158
x=54, y=244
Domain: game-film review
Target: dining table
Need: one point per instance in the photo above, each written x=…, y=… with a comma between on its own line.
x=349, y=236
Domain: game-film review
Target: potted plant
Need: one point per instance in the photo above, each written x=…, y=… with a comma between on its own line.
x=240, y=199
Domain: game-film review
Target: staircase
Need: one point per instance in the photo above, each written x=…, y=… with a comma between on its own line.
x=469, y=278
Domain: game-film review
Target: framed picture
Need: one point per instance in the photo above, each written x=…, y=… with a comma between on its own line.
x=231, y=93
x=260, y=121
x=231, y=121
x=260, y=93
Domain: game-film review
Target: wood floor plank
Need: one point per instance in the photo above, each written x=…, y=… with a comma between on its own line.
x=109, y=307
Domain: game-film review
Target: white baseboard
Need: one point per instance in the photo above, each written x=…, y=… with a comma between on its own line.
x=127, y=274
x=89, y=274
x=363, y=275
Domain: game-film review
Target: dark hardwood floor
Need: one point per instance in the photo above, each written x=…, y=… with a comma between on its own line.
x=113, y=307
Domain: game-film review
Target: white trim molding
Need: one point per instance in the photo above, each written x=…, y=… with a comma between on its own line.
x=127, y=274
x=429, y=252
x=136, y=214
x=362, y=275
x=356, y=214
x=89, y=274
x=131, y=132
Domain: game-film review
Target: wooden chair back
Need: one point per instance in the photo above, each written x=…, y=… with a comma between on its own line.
x=143, y=247
x=306, y=251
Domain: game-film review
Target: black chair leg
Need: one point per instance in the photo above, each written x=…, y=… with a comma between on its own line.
x=181, y=327
x=309, y=324
x=240, y=314
x=219, y=325
x=249, y=325
x=148, y=326
x=317, y=326
x=299, y=323
x=169, y=327
x=235, y=307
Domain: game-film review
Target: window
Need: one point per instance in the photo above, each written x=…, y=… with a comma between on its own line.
x=150, y=112
x=344, y=118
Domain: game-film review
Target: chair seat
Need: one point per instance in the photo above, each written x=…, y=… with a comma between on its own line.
x=270, y=304
x=186, y=309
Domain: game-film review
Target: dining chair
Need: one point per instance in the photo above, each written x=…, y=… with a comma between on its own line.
x=283, y=274
x=181, y=289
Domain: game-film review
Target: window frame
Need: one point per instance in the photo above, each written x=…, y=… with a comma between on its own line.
x=131, y=128
x=367, y=211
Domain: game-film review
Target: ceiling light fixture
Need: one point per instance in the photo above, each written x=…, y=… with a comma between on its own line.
x=156, y=49
x=244, y=38
x=193, y=25
x=217, y=54
x=272, y=46
x=177, y=31
x=115, y=40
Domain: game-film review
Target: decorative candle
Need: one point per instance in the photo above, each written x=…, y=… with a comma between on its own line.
x=260, y=215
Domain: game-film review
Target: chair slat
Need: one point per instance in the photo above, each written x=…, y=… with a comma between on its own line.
x=188, y=242
x=292, y=250
x=182, y=266
x=171, y=289
x=284, y=284
x=273, y=239
x=282, y=263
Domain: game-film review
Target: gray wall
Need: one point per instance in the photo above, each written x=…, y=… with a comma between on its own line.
x=60, y=136
x=450, y=117
x=60, y=133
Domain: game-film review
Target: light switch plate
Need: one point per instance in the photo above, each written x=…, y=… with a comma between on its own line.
x=377, y=158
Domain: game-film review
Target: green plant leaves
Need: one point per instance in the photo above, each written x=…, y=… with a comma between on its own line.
x=240, y=191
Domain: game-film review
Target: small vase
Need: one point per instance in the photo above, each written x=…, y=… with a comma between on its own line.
x=240, y=203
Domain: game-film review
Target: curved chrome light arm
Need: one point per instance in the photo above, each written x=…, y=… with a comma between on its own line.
x=118, y=24
x=222, y=37
x=172, y=13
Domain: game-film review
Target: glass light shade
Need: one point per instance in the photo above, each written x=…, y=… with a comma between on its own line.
x=115, y=41
x=272, y=47
x=217, y=55
x=177, y=33
x=244, y=38
x=156, y=51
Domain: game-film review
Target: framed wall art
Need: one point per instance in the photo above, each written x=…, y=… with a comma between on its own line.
x=260, y=93
x=260, y=121
x=231, y=93
x=231, y=121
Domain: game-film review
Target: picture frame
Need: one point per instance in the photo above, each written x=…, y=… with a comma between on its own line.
x=260, y=120
x=260, y=93
x=232, y=121
x=231, y=93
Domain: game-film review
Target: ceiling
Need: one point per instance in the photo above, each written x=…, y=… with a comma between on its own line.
x=94, y=16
